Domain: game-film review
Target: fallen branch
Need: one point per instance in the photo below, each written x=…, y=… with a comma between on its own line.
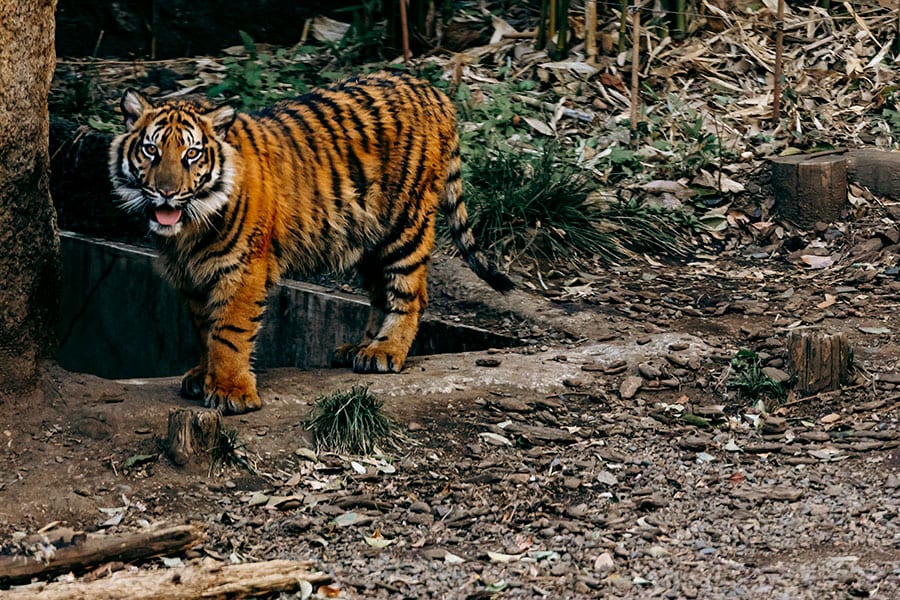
x=246, y=580
x=578, y=115
x=92, y=550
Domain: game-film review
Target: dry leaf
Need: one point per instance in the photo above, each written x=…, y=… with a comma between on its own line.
x=817, y=262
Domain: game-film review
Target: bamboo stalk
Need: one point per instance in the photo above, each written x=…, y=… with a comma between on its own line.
x=635, y=64
x=623, y=24
x=562, y=42
x=779, y=50
x=541, y=41
x=590, y=30
x=680, y=19
x=404, y=31
x=551, y=26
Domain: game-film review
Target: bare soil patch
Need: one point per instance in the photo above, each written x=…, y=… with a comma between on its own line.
x=541, y=476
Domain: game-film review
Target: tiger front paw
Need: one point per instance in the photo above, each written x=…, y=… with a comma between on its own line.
x=232, y=395
x=192, y=383
x=379, y=358
x=343, y=355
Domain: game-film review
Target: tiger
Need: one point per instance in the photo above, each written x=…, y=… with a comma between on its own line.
x=348, y=175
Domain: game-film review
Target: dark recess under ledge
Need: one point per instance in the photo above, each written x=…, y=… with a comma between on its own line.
x=119, y=319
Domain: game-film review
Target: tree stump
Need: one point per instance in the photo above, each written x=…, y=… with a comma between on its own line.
x=819, y=361
x=878, y=170
x=810, y=188
x=192, y=436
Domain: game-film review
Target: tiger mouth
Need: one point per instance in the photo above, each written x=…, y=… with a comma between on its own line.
x=166, y=215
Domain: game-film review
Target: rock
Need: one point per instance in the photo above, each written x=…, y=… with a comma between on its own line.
x=694, y=443
x=649, y=371
x=630, y=386
x=773, y=425
x=513, y=405
x=871, y=245
x=775, y=374
x=604, y=562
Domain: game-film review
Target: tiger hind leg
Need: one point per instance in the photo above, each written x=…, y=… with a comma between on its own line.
x=344, y=354
x=405, y=297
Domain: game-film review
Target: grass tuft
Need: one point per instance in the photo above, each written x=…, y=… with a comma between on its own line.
x=544, y=208
x=752, y=384
x=350, y=422
x=534, y=206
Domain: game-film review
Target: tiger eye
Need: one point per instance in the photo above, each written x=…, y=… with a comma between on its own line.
x=192, y=153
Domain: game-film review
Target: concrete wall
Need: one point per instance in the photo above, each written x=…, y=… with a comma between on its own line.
x=120, y=319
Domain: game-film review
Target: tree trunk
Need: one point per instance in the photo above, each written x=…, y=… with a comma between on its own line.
x=29, y=259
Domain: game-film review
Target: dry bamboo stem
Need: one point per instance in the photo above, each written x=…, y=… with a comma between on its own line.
x=590, y=30
x=635, y=63
x=779, y=50
x=404, y=31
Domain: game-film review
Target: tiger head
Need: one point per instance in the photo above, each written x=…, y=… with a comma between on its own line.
x=173, y=164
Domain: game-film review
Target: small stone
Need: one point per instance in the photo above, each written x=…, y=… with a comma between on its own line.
x=871, y=245
x=649, y=371
x=488, y=362
x=604, y=562
x=773, y=425
x=775, y=374
x=630, y=386
x=419, y=507
x=513, y=405
x=572, y=483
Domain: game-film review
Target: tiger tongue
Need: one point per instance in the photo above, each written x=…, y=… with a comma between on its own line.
x=166, y=215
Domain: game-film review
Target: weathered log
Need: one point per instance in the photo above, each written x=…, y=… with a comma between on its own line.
x=192, y=436
x=86, y=552
x=878, y=170
x=246, y=580
x=819, y=361
x=810, y=188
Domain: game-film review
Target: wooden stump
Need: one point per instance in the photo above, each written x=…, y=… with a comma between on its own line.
x=192, y=436
x=878, y=170
x=810, y=188
x=819, y=361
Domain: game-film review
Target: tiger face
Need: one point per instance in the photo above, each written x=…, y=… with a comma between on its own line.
x=172, y=164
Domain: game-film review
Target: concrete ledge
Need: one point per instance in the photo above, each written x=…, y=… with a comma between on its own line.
x=120, y=319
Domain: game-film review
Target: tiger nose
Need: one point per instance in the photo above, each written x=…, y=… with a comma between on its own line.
x=166, y=193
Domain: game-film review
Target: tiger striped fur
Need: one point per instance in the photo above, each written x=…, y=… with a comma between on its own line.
x=351, y=174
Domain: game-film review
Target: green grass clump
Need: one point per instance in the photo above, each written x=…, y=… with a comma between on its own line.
x=752, y=384
x=534, y=206
x=543, y=207
x=349, y=422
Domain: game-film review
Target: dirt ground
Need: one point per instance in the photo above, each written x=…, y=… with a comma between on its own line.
x=532, y=472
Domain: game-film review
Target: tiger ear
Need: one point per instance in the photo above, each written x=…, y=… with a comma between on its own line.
x=222, y=118
x=133, y=106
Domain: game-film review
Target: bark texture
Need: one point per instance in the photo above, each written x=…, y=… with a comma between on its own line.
x=29, y=244
x=810, y=188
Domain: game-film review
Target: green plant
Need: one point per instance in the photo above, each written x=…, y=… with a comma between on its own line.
x=229, y=451
x=534, y=205
x=258, y=79
x=751, y=383
x=349, y=422
x=644, y=228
